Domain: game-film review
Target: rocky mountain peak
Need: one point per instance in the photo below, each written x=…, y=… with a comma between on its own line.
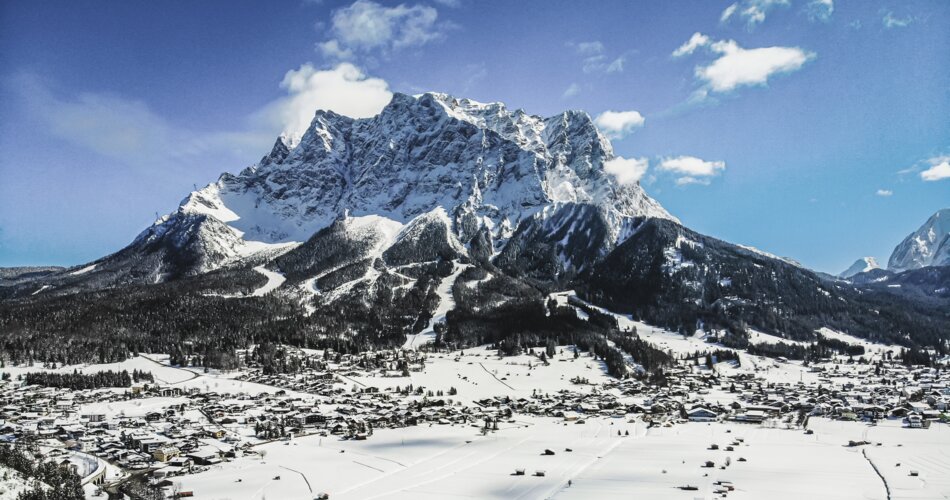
x=927, y=246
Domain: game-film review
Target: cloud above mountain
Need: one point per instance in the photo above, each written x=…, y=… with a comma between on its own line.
x=344, y=89
x=366, y=28
x=595, y=58
x=752, y=12
x=734, y=66
x=691, y=170
x=627, y=171
x=619, y=124
x=130, y=131
x=939, y=169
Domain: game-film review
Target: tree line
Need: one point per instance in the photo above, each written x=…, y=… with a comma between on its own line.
x=81, y=381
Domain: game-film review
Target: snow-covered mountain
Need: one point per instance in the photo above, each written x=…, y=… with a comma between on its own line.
x=861, y=265
x=927, y=246
x=437, y=218
x=482, y=166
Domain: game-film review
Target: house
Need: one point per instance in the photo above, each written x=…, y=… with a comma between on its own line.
x=150, y=445
x=170, y=391
x=874, y=411
x=205, y=457
x=700, y=414
x=752, y=416
x=166, y=453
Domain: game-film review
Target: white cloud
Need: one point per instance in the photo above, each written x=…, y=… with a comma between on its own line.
x=366, y=27
x=728, y=12
x=618, y=124
x=891, y=21
x=595, y=60
x=820, y=10
x=344, y=89
x=736, y=66
x=129, y=131
x=692, y=170
x=333, y=50
x=595, y=63
x=686, y=180
x=752, y=11
x=472, y=74
x=616, y=66
x=884, y=192
x=627, y=170
x=939, y=169
x=587, y=48
x=571, y=91
x=696, y=41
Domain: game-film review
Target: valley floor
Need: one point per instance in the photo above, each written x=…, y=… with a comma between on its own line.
x=457, y=461
x=605, y=452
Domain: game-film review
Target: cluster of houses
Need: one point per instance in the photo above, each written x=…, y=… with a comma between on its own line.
x=193, y=429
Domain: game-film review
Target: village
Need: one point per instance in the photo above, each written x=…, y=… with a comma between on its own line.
x=185, y=423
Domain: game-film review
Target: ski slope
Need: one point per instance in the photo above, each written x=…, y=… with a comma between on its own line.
x=446, y=304
x=274, y=280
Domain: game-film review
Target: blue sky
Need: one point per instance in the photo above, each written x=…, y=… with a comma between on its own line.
x=813, y=129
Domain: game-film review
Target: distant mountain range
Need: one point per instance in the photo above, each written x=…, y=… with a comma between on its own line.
x=919, y=265
x=439, y=219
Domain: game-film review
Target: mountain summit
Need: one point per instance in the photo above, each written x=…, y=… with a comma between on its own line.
x=927, y=246
x=483, y=166
x=861, y=265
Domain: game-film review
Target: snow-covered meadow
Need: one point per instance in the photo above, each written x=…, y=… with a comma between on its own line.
x=454, y=461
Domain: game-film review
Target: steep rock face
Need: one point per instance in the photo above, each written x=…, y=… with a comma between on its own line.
x=928, y=246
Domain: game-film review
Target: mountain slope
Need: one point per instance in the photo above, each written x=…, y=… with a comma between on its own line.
x=927, y=246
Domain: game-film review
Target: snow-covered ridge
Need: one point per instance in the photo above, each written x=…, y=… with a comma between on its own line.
x=481, y=165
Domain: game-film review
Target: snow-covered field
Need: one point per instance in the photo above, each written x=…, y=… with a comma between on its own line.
x=873, y=349
x=479, y=373
x=451, y=461
x=157, y=365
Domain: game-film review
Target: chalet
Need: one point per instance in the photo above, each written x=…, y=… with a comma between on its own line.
x=751, y=416
x=700, y=414
x=169, y=392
